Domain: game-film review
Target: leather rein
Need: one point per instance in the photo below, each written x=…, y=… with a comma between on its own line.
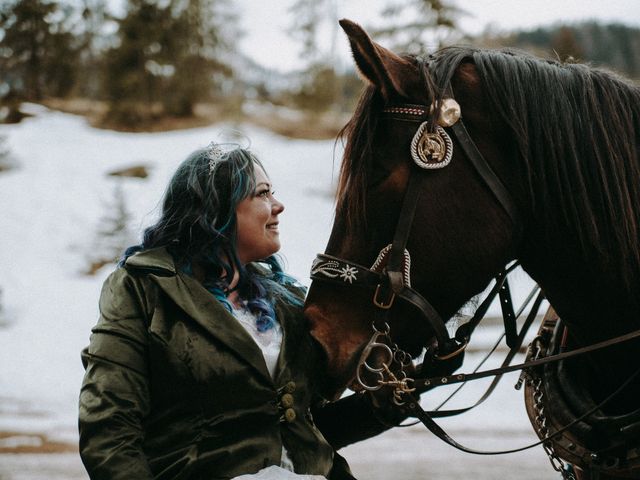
x=389, y=278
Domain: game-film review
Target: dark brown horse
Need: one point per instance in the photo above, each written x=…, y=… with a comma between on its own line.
x=563, y=141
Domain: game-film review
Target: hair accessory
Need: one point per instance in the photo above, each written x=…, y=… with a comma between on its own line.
x=215, y=154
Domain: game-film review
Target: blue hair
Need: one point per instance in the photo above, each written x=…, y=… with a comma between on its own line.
x=198, y=227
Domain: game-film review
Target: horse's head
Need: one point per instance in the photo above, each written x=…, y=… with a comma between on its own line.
x=460, y=235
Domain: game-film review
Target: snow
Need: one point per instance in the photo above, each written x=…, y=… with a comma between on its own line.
x=51, y=208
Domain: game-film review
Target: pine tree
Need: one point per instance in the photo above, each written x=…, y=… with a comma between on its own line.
x=93, y=39
x=166, y=57
x=321, y=86
x=307, y=18
x=132, y=75
x=201, y=37
x=431, y=24
x=114, y=234
x=36, y=50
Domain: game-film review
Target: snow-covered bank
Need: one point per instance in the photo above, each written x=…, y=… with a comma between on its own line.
x=52, y=205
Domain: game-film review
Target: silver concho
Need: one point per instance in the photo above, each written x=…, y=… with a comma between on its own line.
x=449, y=112
x=431, y=150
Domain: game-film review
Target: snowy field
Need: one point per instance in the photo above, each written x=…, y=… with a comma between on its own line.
x=52, y=206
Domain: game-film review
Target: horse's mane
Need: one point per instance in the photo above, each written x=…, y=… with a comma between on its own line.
x=357, y=136
x=577, y=129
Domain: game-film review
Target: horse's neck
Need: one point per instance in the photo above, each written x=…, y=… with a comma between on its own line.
x=592, y=303
x=594, y=308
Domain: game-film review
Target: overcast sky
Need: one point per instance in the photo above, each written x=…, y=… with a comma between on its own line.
x=265, y=21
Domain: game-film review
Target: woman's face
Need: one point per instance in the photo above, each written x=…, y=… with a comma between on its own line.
x=257, y=217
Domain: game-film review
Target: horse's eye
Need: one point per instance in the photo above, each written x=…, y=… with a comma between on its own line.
x=377, y=176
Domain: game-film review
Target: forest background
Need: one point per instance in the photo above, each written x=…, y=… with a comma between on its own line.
x=142, y=65
x=73, y=196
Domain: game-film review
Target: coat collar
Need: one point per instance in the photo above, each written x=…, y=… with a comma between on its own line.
x=153, y=260
x=202, y=307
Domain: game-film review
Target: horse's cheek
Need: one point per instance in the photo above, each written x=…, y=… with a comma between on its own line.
x=341, y=342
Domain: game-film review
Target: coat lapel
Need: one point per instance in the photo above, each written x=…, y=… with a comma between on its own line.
x=292, y=330
x=213, y=317
x=200, y=305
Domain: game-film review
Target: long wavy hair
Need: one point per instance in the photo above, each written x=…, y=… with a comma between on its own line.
x=198, y=227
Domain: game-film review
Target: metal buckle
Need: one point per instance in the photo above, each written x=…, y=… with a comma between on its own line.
x=454, y=353
x=382, y=305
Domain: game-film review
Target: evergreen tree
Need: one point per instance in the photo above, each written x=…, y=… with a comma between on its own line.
x=614, y=46
x=431, y=23
x=201, y=36
x=307, y=18
x=321, y=85
x=36, y=50
x=114, y=234
x=133, y=73
x=93, y=39
x=320, y=88
x=166, y=56
x=60, y=66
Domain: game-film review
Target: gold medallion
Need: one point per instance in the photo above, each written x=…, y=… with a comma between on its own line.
x=431, y=150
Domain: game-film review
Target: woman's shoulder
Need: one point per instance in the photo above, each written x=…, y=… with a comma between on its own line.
x=129, y=285
x=153, y=260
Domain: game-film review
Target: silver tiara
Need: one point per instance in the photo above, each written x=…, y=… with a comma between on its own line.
x=215, y=154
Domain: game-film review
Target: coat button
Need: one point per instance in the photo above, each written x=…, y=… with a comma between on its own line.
x=290, y=415
x=290, y=387
x=287, y=400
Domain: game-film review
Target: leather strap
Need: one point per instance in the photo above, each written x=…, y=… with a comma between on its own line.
x=328, y=268
x=403, y=229
x=508, y=315
x=488, y=175
x=507, y=360
x=464, y=331
x=461, y=377
x=414, y=409
x=433, y=317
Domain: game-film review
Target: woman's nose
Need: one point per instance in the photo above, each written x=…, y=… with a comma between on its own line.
x=277, y=207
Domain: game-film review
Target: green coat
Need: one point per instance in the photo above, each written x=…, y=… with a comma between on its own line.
x=175, y=388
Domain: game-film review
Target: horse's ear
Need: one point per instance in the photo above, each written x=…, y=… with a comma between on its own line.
x=379, y=66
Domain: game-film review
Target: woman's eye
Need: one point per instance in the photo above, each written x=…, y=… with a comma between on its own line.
x=263, y=193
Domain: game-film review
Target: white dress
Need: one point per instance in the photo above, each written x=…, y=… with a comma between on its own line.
x=269, y=342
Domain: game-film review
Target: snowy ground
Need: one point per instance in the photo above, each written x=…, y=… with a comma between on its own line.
x=51, y=209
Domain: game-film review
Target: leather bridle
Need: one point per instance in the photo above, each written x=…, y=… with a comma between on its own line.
x=393, y=281
x=389, y=279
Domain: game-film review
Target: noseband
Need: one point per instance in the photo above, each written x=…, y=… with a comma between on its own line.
x=389, y=276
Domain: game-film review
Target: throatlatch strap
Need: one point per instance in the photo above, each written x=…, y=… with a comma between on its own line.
x=507, y=360
x=486, y=172
x=508, y=315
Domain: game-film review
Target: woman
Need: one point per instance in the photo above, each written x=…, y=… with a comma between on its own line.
x=201, y=365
